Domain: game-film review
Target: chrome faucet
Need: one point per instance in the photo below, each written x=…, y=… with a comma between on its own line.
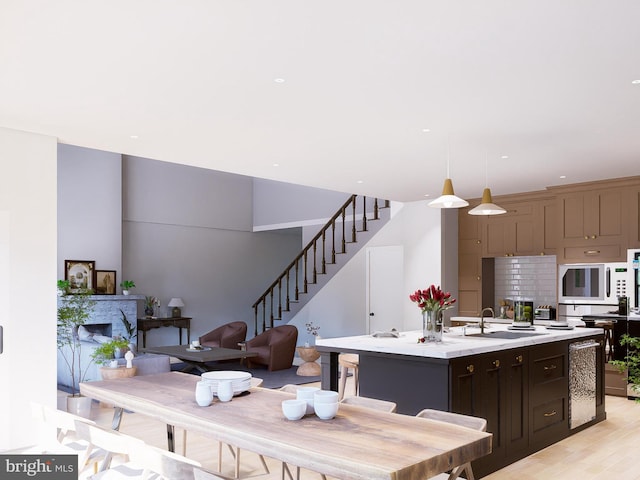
x=493, y=315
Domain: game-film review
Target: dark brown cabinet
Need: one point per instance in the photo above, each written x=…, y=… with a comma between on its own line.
x=495, y=386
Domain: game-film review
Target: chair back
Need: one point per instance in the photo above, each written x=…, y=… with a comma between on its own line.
x=475, y=423
x=167, y=464
x=373, y=403
x=111, y=441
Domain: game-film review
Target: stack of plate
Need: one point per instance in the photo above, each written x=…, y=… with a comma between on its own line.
x=240, y=381
x=521, y=326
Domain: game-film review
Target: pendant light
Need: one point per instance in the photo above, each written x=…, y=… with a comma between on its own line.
x=487, y=207
x=448, y=199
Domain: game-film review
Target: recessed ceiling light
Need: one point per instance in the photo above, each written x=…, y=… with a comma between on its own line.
x=278, y=80
x=134, y=137
x=504, y=156
x=426, y=130
x=636, y=82
x=427, y=195
x=360, y=181
x=563, y=176
x=276, y=164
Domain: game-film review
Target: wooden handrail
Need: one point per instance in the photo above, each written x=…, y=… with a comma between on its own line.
x=301, y=261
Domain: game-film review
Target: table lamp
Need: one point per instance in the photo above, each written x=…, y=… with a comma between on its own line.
x=176, y=303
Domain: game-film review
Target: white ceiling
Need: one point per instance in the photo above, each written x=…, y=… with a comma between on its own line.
x=548, y=83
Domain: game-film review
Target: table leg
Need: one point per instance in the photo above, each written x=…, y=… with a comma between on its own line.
x=117, y=418
x=144, y=339
x=329, y=370
x=171, y=445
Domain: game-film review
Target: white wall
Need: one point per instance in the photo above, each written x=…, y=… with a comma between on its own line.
x=340, y=307
x=27, y=281
x=90, y=208
x=282, y=205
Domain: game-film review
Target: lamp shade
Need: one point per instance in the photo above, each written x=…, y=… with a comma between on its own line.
x=448, y=199
x=176, y=303
x=487, y=207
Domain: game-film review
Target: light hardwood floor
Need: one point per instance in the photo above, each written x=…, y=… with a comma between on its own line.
x=606, y=450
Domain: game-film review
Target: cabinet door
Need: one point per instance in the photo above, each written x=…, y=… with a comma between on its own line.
x=633, y=196
x=512, y=233
x=592, y=226
x=517, y=411
x=549, y=221
x=465, y=386
x=469, y=264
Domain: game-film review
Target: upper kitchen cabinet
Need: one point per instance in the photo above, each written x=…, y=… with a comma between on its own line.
x=528, y=228
x=633, y=197
x=592, y=222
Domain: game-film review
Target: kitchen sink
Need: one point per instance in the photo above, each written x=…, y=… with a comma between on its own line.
x=507, y=335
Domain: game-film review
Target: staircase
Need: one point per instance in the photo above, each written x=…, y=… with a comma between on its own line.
x=341, y=237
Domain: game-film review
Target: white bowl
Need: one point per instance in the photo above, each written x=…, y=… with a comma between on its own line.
x=326, y=411
x=325, y=396
x=294, y=409
x=306, y=393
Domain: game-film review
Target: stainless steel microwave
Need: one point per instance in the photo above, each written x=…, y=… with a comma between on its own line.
x=592, y=283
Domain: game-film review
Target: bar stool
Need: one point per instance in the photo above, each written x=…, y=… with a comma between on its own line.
x=347, y=361
x=608, y=338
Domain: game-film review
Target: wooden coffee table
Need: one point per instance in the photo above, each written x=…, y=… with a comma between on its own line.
x=198, y=359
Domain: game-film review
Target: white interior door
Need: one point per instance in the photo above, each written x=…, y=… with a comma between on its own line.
x=384, y=288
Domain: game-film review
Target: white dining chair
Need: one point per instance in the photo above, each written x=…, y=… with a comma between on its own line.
x=142, y=461
x=373, y=403
x=57, y=434
x=467, y=421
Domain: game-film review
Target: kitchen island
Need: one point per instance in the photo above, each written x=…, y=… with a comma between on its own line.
x=520, y=385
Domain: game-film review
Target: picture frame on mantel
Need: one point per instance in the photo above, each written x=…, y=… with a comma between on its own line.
x=79, y=274
x=105, y=282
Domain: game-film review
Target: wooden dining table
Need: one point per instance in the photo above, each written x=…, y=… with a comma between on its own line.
x=358, y=443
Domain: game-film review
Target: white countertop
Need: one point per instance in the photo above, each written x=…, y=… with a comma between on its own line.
x=454, y=343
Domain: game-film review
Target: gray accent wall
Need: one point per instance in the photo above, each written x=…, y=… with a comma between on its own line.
x=187, y=232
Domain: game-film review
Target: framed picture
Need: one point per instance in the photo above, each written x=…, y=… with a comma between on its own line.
x=79, y=273
x=105, y=282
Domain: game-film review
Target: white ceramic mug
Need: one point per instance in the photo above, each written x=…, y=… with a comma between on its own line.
x=204, y=395
x=306, y=394
x=225, y=390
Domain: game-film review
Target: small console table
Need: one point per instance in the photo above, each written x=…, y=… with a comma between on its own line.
x=145, y=324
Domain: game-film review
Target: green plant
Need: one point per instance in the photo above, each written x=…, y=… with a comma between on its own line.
x=127, y=284
x=73, y=311
x=131, y=332
x=103, y=354
x=631, y=362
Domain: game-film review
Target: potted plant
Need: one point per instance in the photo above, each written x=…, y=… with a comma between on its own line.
x=131, y=331
x=630, y=366
x=73, y=311
x=126, y=286
x=150, y=303
x=106, y=355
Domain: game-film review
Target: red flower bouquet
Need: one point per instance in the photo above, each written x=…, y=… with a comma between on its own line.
x=432, y=299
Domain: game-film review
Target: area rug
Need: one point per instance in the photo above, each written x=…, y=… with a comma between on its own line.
x=275, y=379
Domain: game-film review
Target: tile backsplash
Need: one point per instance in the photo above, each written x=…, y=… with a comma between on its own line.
x=526, y=278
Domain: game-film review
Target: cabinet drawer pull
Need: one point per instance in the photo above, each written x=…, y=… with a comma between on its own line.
x=478, y=242
x=519, y=358
x=550, y=414
x=496, y=363
x=591, y=252
x=478, y=278
x=550, y=367
x=586, y=237
x=470, y=368
x=593, y=237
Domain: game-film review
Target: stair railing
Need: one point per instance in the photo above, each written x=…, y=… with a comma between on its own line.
x=271, y=300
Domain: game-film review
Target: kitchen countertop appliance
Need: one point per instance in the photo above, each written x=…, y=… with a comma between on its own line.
x=545, y=312
x=592, y=283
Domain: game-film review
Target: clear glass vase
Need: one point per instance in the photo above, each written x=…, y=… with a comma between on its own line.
x=432, y=326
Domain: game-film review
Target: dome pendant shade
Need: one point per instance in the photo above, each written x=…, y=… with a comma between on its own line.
x=448, y=199
x=487, y=207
